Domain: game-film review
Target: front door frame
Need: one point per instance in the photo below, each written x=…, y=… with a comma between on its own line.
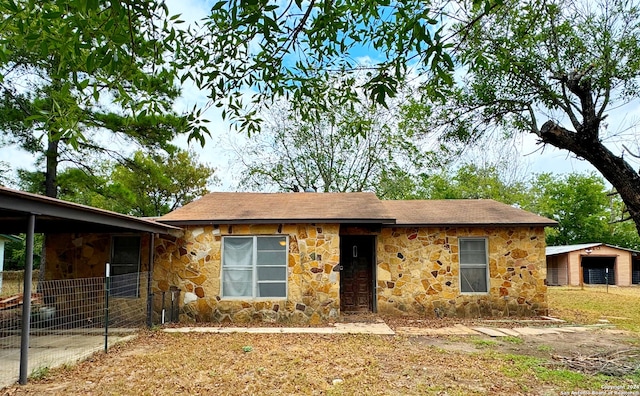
x=371, y=240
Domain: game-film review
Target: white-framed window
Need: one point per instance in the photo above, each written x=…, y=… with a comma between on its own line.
x=125, y=266
x=474, y=268
x=254, y=266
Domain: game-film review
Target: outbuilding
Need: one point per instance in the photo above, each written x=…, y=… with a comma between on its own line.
x=592, y=264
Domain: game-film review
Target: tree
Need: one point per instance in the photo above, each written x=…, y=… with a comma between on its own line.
x=70, y=70
x=150, y=185
x=307, y=52
x=473, y=182
x=4, y=170
x=554, y=69
x=578, y=203
x=584, y=210
x=347, y=150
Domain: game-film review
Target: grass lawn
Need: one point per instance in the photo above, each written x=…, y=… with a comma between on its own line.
x=159, y=363
x=619, y=305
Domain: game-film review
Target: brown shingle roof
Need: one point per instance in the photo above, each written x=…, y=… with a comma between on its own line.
x=226, y=207
x=461, y=212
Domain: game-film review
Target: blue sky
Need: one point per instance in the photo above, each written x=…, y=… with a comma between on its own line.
x=215, y=153
x=533, y=158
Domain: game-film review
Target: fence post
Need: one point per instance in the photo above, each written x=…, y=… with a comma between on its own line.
x=107, y=286
x=175, y=304
x=26, y=303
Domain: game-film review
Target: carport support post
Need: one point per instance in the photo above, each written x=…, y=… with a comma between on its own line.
x=26, y=303
x=149, y=278
x=107, y=291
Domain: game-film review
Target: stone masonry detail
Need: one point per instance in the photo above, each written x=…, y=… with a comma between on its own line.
x=191, y=261
x=418, y=272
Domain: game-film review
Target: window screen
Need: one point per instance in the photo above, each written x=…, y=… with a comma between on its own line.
x=254, y=266
x=125, y=266
x=473, y=265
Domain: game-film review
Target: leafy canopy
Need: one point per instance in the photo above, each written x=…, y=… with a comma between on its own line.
x=149, y=185
x=248, y=53
x=346, y=150
x=94, y=50
x=556, y=69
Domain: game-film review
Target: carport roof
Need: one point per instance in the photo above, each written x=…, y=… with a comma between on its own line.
x=58, y=216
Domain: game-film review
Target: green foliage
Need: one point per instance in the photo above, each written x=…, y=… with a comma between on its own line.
x=473, y=182
x=62, y=61
x=84, y=50
x=308, y=52
x=14, y=253
x=347, y=150
x=584, y=209
x=148, y=185
x=39, y=373
x=551, y=68
x=4, y=170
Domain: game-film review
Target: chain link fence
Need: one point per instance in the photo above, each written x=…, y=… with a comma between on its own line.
x=70, y=319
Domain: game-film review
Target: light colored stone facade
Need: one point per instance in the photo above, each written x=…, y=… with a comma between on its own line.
x=191, y=261
x=418, y=272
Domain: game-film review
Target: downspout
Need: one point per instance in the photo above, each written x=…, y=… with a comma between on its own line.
x=149, y=278
x=26, y=303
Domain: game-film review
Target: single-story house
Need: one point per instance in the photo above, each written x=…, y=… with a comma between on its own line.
x=592, y=263
x=301, y=257
x=307, y=257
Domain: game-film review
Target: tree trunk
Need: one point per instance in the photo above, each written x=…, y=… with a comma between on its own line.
x=615, y=169
x=51, y=173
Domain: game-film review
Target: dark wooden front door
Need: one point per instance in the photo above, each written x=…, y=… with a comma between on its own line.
x=356, y=273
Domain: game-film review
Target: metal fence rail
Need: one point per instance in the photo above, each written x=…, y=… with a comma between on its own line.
x=70, y=319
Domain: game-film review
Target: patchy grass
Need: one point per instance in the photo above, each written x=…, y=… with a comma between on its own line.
x=483, y=342
x=545, y=348
x=309, y=364
x=512, y=340
x=39, y=373
x=589, y=304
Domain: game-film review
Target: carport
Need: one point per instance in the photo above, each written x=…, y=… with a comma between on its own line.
x=26, y=213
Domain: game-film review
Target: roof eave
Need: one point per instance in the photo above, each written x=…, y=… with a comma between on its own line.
x=28, y=204
x=277, y=221
x=471, y=225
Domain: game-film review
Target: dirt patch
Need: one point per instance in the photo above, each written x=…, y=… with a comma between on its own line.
x=591, y=342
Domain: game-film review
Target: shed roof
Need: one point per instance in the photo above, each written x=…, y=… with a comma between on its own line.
x=475, y=212
x=246, y=207
x=553, y=250
x=55, y=215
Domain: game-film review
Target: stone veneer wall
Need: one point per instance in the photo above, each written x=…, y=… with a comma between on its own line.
x=190, y=260
x=418, y=272
x=77, y=259
x=73, y=256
